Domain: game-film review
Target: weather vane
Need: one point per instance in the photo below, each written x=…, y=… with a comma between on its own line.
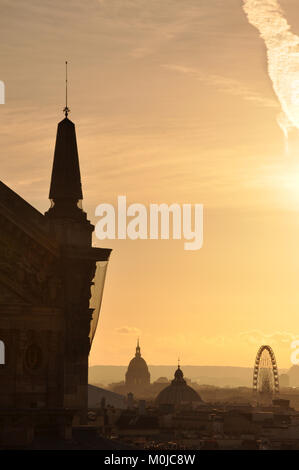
x=66, y=110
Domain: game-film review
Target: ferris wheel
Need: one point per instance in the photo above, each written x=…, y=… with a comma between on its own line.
x=265, y=372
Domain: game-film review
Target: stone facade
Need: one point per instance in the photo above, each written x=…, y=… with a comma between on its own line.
x=47, y=266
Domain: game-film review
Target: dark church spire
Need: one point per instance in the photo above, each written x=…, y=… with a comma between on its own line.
x=65, y=189
x=66, y=179
x=67, y=221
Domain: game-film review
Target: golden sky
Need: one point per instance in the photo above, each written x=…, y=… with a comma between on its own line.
x=173, y=102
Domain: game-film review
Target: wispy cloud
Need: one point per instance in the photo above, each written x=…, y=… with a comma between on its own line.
x=281, y=338
x=225, y=84
x=128, y=330
x=283, y=56
x=150, y=25
x=252, y=337
x=216, y=340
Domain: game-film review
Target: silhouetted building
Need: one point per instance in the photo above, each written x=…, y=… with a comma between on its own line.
x=51, y=282
x=178, y=392
x=137, y=375
x=137, y=425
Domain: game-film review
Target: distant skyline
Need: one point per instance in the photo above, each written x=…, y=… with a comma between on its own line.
x=172, y=103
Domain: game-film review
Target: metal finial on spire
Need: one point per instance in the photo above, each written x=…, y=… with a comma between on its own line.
x=138, y=348
x=66, y=110
x=179, y=363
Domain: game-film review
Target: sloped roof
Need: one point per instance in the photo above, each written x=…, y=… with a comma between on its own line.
x=26, y=217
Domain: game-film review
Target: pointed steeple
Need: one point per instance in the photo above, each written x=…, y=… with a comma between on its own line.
x=66, y=178
x=68, y=222
x=65, y=188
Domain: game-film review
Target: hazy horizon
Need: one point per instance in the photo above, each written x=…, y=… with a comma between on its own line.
x=209, y=375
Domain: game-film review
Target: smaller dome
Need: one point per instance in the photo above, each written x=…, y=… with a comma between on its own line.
x=178, y=391
x=137, y=373
x=138, y=365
